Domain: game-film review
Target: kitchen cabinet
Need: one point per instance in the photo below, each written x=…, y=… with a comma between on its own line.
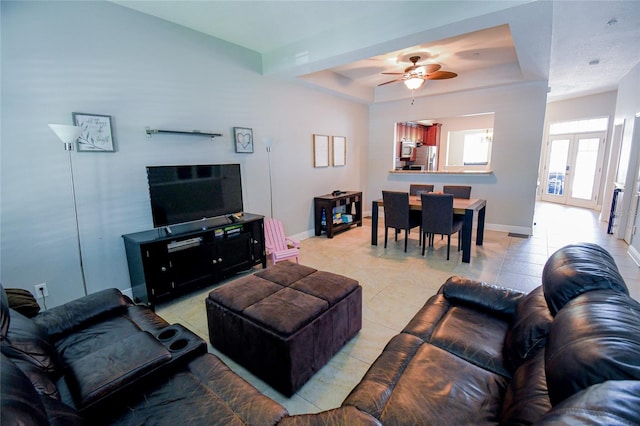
x=432, y=136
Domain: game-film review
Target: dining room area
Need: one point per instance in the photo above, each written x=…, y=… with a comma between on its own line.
x=450, y=211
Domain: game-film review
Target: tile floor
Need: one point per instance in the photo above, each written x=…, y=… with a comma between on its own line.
x=395, y=285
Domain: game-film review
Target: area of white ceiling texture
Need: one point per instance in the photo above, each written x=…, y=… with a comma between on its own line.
x=579, y=47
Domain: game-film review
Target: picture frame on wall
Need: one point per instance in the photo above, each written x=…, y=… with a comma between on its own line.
x=320, y=150
x=97, y=132
x=339, y=151
x=243, y=138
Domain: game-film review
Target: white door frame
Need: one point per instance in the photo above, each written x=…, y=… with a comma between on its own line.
x=568, y=179
x=634, y=199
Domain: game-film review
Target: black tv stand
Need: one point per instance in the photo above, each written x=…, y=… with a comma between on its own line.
x=168, y=261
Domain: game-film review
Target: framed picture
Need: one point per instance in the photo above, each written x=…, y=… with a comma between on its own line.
x=320, y=151
x=243, y=139
x=97, y=132
x=339, y=150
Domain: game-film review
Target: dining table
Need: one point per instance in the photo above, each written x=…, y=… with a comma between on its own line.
x=463, y=206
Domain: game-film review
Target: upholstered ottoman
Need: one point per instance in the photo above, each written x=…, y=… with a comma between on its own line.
x=285, y=322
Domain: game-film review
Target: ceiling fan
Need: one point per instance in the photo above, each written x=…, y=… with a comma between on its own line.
x=415, y=75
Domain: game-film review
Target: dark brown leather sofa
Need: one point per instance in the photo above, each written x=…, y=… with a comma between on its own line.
x=101, y=359
x=566, y=353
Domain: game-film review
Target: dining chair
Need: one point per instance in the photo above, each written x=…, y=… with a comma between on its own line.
x=416, y=188
x=458, y=191
x=396, y=215
x=277, y=244
x=438, y=218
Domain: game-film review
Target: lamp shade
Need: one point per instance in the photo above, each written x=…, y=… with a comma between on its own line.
x=414, y=83
x=66, y=133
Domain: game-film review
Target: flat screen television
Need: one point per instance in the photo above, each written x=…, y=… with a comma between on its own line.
x=192, y=192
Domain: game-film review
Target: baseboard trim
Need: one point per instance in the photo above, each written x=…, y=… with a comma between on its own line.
x=128, y=292
x=634, y=254
x=487, y=226
x=304, y=235
x=508, y=229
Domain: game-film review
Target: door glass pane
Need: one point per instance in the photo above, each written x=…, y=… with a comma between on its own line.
x=585, y=172
x=557, y=166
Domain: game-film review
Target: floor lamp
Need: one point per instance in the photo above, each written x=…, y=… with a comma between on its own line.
x=68, y=135
x=268, y=142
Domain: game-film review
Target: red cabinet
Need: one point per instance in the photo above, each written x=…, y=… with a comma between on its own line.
x=432, y=137
x=417, y=135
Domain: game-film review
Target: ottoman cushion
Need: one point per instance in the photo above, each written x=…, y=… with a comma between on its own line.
x=286, y=273
x=244, y=293
x=327, y=286
x=286, y=311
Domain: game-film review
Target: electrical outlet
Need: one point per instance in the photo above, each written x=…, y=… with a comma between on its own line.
x=41, y=290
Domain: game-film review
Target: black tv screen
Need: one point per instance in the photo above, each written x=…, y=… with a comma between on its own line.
x=192, y=192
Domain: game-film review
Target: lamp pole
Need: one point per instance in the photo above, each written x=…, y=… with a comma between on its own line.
x=69, y=148
x=68, y=135
x=268, y=142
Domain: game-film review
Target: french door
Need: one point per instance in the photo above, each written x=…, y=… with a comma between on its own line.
x=573, y=169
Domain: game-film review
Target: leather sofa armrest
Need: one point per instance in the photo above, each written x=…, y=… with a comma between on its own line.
x=346, y=415
x=107, y=371
x=614, y=402
x=492, y=298
x=21, y=404
x=63, y=319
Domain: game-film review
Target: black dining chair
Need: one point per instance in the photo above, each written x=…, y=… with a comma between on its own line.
x=417, y=188
x=396, y=215
x=458, y=191
x=438, y=218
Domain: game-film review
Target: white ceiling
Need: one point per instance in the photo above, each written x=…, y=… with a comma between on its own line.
x=343, y=46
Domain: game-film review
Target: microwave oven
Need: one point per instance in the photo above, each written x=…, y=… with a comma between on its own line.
x=407, y=149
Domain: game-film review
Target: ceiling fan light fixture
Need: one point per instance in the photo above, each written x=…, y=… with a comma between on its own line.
x=414, y=83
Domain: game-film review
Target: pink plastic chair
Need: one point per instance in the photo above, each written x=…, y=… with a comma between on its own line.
x=278, y=245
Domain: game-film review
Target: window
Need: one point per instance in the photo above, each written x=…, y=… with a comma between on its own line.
x=477, y=147
x=579, y=126
x=469, y=149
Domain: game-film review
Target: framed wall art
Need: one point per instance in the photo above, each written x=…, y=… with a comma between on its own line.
x=339, y=150
x=97, y=132
x=320, y=151
x=243, y=137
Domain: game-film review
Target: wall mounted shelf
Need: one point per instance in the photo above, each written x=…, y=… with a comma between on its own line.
x=181, y=132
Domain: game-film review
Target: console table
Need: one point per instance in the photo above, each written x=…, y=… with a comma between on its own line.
x=164, y=263
x=326, y=203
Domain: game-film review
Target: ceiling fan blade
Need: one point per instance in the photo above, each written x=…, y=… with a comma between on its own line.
x=431, y=68
x=392, y=73
x=391, y=81
x=441, y=75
